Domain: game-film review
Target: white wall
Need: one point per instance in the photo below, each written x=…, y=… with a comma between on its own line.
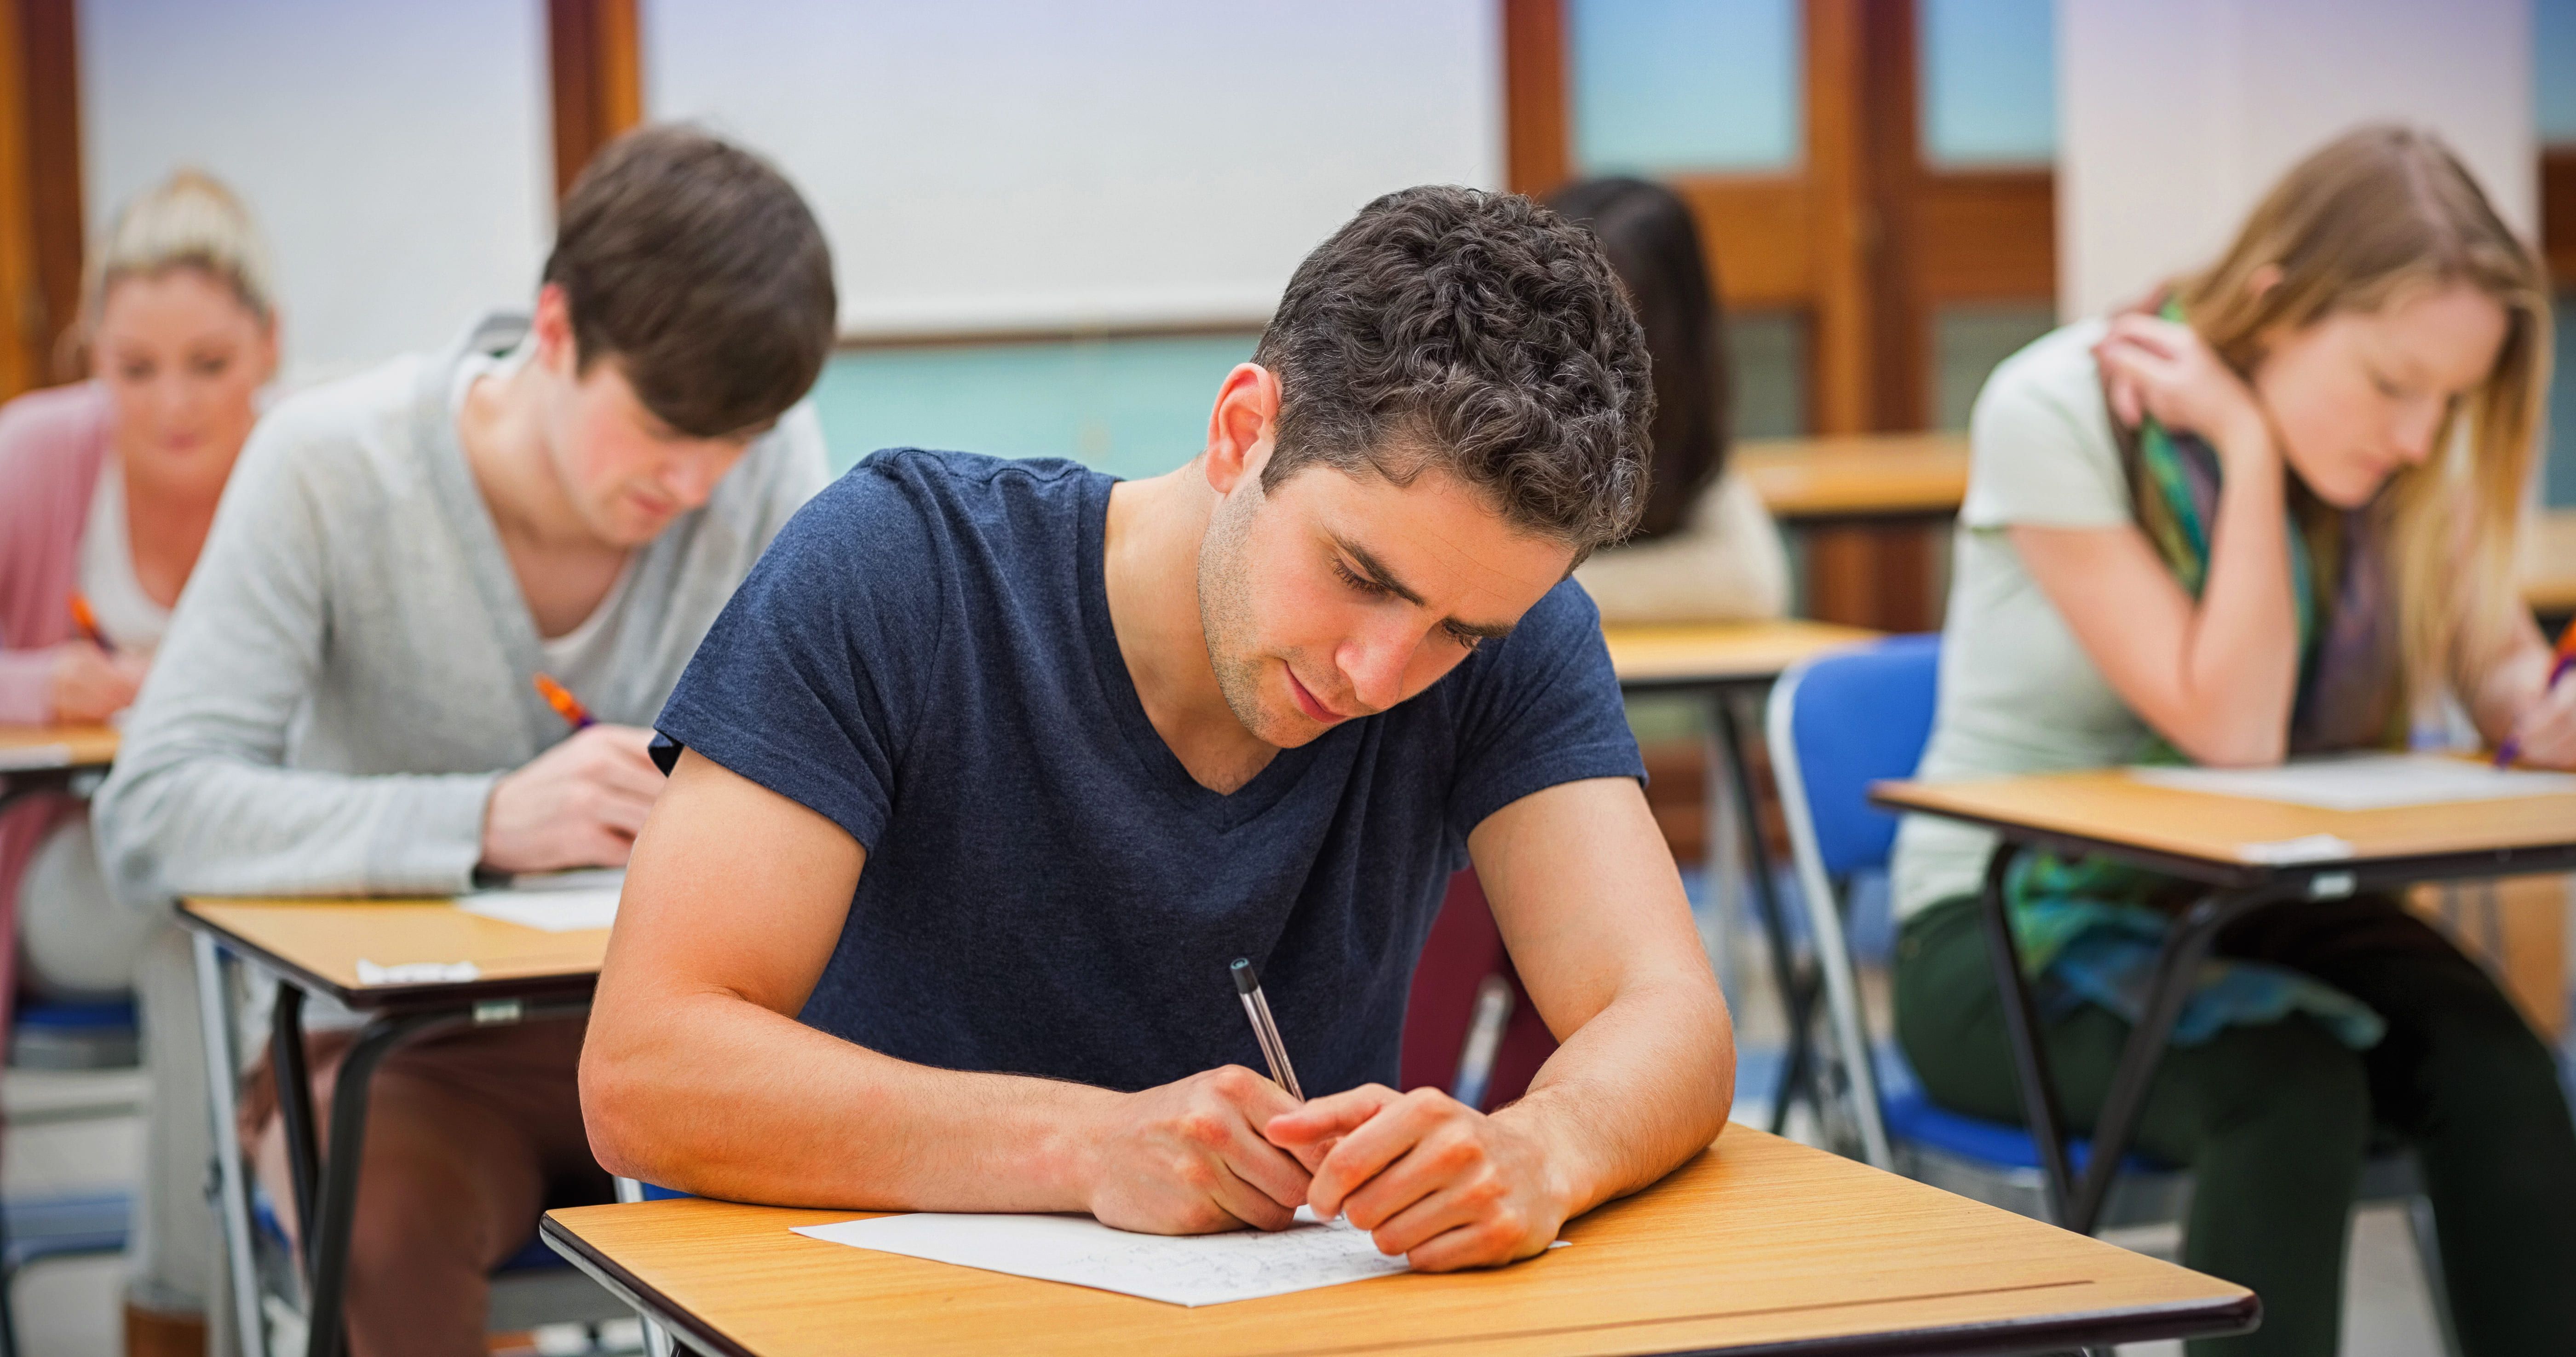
x=995, y=164
x=397, y=154
x=2175, y=115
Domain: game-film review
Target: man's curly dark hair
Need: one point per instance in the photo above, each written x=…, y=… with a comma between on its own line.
x=1475, y=332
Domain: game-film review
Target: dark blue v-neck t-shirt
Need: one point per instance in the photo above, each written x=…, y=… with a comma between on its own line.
x=924, y=655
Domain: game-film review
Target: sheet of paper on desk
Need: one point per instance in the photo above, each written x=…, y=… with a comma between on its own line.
x=1207, y=1269
x=2365, y=781
x=558, y=902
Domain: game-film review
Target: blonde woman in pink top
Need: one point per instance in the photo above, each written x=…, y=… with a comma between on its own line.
x=107, y=487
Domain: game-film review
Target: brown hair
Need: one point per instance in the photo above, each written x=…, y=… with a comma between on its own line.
x=698, y=268
x=1646, y=231
x=2378, y=212
x=1476, y=332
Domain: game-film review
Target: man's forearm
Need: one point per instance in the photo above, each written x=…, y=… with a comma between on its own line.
x=1635, y=1091
x=711, y=1094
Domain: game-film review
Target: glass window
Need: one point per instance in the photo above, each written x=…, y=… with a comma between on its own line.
x=1130, y=407
x=1770, y=353
x=2553, y=45
x=1989, y=84
x=1967, y=342
x=1668, y=86
x=2558, y=474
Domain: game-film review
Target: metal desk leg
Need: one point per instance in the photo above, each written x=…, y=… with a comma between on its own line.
x=294, y=1100
x=2078, y=1206
x=1766, y=900
x=232, y=1179
x=2177, y=966
x=2021, y=1031
x=327, y=1230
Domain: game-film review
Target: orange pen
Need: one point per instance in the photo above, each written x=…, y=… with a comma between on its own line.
x=565, y=704
x=2562, y=659
x=87, y=621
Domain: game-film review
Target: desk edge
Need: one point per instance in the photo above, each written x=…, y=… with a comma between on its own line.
x=2216, y=1317
x=637, y=1294
x=387, y=998
x=2236, y=874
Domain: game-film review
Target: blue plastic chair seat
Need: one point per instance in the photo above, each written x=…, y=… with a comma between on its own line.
x=49, y=1035
x=54, y=1227
x=1910, y=1116
x=531, y=1256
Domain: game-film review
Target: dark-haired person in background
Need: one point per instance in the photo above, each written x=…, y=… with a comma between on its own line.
x=344, y=702
x=993, y=766
x=1705, y=550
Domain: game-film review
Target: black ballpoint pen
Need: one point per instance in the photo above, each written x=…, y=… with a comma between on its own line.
x=1248, y=986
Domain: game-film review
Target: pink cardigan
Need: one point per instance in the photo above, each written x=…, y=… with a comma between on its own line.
x=51, y=445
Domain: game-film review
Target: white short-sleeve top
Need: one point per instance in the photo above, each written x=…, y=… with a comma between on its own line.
x=2018, y=693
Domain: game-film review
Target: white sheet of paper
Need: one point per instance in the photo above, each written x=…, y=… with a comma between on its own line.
x=2365, y=781
x=1207, y=1269
x=557, y=902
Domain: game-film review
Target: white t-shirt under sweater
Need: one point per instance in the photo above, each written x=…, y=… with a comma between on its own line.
x=129, y=617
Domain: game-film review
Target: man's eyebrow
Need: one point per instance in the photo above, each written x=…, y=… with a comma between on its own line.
x=1375, y=572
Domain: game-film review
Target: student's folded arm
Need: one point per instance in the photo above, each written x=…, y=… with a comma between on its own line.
x=200, y=802
x=2214, y=677
x=696, y=1074
x=1590, y=906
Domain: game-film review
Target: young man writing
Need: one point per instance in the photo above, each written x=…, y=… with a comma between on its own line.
x=346, y=700
x=992, y=767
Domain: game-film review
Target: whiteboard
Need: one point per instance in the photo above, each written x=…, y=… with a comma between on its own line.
x=1043, y=164
x=398, y=156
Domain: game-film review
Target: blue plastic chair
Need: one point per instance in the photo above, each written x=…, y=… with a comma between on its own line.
x=1837, y=724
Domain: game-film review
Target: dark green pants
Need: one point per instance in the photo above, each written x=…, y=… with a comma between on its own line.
x=2274, y=1121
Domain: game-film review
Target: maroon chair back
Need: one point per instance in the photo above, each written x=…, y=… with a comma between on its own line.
x=1464, y=948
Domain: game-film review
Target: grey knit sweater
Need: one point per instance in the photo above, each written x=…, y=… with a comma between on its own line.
x=349, y=670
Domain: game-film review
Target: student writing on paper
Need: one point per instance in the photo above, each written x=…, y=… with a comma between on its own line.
x=344, y=704
x=993, y=767
x=107, y=488
x=2270, y=511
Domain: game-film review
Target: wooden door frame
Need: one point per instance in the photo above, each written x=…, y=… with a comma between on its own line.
x=41, y=209
x=594, y=57
x=1862, y=237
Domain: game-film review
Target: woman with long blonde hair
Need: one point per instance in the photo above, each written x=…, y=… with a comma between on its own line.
x=2270, y=511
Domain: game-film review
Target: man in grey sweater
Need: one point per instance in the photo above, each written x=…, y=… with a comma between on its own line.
x=346, y=700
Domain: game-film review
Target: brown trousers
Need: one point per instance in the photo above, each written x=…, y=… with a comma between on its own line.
x=470, y=1136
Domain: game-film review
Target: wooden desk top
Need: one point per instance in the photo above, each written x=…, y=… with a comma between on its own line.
x=1695, y=654
x=1864, y=476
x=31, y=748
x=319, y=944
x=1759, y=1241
x=2217, y=837
x=2549, y=563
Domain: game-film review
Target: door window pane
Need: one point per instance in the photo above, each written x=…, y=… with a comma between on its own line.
x=1669, y=86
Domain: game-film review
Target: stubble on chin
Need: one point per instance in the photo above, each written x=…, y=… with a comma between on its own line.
x=1225, y=618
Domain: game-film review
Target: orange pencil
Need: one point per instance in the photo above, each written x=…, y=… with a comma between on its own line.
x=2562, y=660
x=565, y=704
x=87, y=621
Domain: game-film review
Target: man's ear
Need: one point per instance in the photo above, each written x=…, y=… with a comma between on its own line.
x=1242, y=427
x=551, y=327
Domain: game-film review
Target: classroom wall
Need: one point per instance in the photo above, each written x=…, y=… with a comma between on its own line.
x=423, y=195
x=1016, y=164
x=2174, y=116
